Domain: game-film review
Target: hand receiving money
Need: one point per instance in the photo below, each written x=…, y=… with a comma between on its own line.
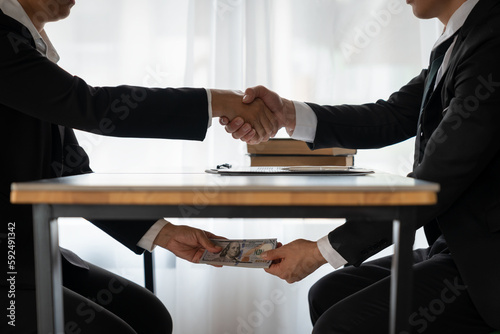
x=240, y=253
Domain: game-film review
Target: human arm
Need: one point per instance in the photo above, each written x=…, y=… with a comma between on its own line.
x=125, y=111
x=352, y=126
x=459, y=150
x=185, y=242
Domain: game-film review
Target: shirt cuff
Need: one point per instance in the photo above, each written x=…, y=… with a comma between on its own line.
x=306, y=122
x=147, y=240
x=210, y=113
x=330, y=254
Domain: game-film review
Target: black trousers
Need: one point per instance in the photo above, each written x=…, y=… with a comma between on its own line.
x=97, y=301
x=356, y=299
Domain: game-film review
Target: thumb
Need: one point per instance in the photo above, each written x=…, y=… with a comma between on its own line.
x=208, y=244
x=274, y=254
x=250, y=94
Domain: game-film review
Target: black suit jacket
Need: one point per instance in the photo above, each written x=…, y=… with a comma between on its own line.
x=457, y=146
x=40, y=104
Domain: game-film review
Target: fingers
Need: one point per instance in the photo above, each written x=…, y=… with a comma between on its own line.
x=252, y=93
x=210, y=235
x=274, y=269
x=262, y=133
x=239, y=119
x=273, y=123
x=207, y=243
x=249, y=95
x=234, y=125
x=249, y=136
x=269, y=122
x=238, y=129
x=294, y=261
x=223, y=120
x=280, y=270
x=265, y=123
x=274, y=254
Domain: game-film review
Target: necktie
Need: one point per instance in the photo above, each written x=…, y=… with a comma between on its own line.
x=437, y=57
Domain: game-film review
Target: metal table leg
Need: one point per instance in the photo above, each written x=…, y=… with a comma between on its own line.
x=49, y=298
x=149, y=271
x=401, y=275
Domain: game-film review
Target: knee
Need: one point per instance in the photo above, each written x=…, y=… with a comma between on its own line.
x=322, y=295
x=315, y=292
x=314, y=295
x=322, y=327
x=333, y=289
x=158, y=317
x=317, y=304
x=332, y=321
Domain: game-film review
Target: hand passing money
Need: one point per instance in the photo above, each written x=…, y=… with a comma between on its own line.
x=240, y=253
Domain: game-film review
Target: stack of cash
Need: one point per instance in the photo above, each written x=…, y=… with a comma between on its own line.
x=240, y=253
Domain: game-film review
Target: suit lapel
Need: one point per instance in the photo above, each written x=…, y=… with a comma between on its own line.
x=444, y=90
x=462, y=47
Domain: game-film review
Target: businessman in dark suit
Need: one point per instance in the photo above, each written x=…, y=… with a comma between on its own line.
x=453, y=109
x=40, y=104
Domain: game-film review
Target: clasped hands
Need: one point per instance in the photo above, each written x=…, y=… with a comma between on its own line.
x=253, y=117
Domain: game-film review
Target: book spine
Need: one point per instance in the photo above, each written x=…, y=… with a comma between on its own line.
x=296, y=160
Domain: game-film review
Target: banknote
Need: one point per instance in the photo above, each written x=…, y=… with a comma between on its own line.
x=240, y=253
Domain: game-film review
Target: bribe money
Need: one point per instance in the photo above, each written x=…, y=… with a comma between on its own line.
x=240, y=253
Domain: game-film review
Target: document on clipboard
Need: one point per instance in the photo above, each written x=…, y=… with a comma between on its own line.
x=290, y=170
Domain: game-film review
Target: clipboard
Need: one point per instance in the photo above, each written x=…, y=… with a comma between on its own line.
x=227, y=169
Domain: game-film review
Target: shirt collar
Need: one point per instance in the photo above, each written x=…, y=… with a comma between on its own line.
x=457, y=20
x=43, y=45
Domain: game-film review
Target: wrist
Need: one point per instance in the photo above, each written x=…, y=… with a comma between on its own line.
x=223, y=101
x=318, y=256
x=164, y=235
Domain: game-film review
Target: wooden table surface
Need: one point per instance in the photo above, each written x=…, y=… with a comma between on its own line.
x=177, y=189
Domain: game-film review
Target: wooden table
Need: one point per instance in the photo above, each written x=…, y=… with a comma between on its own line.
x=139, y=196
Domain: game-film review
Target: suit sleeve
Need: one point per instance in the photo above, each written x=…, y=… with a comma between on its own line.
x=35, y=86
x=462, y=153
x=127, y=232
x=371, y=125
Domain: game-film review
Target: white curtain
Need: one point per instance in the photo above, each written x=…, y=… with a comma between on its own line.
x=324, y=51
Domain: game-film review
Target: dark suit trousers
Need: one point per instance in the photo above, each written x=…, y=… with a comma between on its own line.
x=97, y=301
x=356, y=299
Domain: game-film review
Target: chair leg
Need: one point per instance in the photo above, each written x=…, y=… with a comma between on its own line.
x=149, y=271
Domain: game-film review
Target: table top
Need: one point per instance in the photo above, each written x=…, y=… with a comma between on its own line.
x=209, y=189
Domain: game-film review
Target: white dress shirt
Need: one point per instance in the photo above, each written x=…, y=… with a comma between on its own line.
x=307, y=122
x=14, y=9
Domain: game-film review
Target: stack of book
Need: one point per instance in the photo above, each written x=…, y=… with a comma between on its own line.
x=289, y=152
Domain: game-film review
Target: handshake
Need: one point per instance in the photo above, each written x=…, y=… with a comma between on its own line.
x=254, y=116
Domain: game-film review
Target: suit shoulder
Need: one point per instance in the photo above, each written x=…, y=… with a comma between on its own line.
x=13, y=34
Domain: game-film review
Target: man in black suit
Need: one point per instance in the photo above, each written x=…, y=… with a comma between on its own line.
x=40, y=104
x=453, y=109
